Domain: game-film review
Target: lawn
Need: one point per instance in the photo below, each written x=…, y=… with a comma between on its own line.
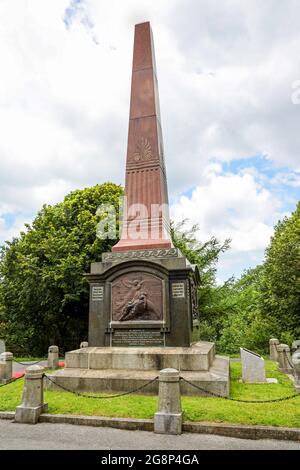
x=286, y=413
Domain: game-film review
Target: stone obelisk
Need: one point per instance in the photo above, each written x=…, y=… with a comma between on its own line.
x=146, y=221
x=143, y=296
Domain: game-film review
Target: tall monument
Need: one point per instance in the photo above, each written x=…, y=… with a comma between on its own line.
x=146, y=221
x=143, y=294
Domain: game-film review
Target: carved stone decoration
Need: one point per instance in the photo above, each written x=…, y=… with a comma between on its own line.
x=143, y=150
x=137, y=296
x=138, y=254
x=194, y=297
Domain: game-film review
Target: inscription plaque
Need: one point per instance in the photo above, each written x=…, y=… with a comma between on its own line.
x=137, y=337
x=178, y=290
x=97, y=293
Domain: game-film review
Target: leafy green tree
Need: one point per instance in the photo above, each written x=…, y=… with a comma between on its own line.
x=280, y=284
x=205, y=255
x=43, y=294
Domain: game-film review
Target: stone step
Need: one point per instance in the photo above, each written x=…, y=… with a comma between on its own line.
x=197, y=357
x=113, y=381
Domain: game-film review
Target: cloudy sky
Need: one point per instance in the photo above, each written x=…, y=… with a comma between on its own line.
x=229, y=80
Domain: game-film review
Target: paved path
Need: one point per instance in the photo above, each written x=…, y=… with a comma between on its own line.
x=19, y=367
x=65, y=436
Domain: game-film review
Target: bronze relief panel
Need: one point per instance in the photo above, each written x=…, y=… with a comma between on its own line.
x=137, y=296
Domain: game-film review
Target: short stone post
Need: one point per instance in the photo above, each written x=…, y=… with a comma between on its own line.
x=33, y=397
x=53, y=357
x=284, y=359
x=168, y=419
x=6, y=363
x=296, y=364
x=273, y=344
x=84, y=344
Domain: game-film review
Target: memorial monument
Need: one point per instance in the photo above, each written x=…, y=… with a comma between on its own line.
x=143, y=294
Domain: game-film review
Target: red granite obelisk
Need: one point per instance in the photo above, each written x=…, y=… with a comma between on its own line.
x=146, y=221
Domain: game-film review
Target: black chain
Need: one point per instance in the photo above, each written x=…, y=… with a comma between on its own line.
x=288, y=359
x=100, y=396
x=11, y=381
x=236, y=399
x=29, y=363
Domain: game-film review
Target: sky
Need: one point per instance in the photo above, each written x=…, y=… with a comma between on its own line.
x=229, y=84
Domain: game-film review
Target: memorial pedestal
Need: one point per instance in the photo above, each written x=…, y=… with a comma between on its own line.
x=112, y=369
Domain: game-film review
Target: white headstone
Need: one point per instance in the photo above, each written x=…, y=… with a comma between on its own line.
x=253, y=367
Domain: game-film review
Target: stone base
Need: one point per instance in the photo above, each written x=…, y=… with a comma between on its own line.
x=141, y=367
x=199, y=356
x=29, y=415
x=267, y=381
x=166, y=423
x=5, y=381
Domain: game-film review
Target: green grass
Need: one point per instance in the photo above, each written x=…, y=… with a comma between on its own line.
x=285, y=413
x=30, y=359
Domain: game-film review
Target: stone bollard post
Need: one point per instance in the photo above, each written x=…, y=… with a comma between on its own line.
x=84, y=344
x=168, y=419
x=296, y=364
x=284, y=359
x=33, y=397
x=53, y=357
x=273, y=344
x=6, y=363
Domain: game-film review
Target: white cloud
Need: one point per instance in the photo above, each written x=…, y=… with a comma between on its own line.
x=231, y=206
x=225, y=73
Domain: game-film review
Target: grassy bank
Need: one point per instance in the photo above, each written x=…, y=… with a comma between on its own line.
x=285, y=413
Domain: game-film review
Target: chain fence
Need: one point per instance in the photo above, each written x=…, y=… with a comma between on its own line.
x=137, y=389
x=141, y=387
x=30, y=363
x=11, y=381
x=274, y=400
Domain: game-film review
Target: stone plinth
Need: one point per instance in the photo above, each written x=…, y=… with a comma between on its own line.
x=273, y=344
x=284, y=359
x=198, y=357
x=145, y=298
x=33, y=398
x=198, y=364
x=168, y=419
x=296, y=364
x=53, y=357
x=6, y=363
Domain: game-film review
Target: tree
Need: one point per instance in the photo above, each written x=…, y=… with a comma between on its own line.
x=280, y=285
x=43, y=294
x=205, y=255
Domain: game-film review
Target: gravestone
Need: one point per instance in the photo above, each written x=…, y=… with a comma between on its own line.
x=143, y=294
x=253, y=368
